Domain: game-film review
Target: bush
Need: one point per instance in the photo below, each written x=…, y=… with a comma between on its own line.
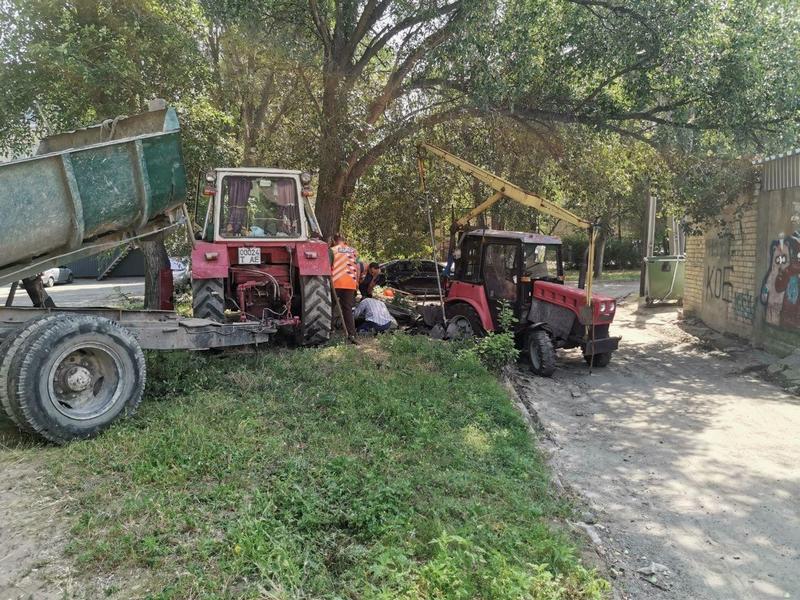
x=497, y=349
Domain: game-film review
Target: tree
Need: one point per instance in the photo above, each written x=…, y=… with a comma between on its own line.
x=378, y=84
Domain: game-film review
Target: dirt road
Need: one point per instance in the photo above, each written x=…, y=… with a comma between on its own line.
x=686, y=459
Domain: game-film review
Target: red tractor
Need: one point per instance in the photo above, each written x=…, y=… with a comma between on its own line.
x=260, y=256
x=524, y=271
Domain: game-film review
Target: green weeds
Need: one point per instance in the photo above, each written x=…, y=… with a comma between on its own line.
x=396, y=469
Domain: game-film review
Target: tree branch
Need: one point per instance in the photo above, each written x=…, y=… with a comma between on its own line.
x=393, y=88
x=380, y=42
x=372, y=13
x=369, y=158
x=322, y=29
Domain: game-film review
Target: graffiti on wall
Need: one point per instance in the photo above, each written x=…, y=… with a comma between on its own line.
x=744, y=306
x=718, y=283
x=780, y=290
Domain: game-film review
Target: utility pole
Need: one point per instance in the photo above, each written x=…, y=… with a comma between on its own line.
x=650, y=236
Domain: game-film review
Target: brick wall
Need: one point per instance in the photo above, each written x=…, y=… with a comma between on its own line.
x=695, y=262
x=721, y=273
x=743, y=276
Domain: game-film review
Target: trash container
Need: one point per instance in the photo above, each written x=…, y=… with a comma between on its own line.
x=664, y=279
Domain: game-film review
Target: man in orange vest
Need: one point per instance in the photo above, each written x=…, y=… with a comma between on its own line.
x=346, y=274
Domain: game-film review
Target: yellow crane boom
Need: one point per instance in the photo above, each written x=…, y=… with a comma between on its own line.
x=503, y=188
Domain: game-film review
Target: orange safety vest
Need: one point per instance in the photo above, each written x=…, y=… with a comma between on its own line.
x=345, y=267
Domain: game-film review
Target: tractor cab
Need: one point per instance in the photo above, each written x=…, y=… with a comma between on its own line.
x=503, y=266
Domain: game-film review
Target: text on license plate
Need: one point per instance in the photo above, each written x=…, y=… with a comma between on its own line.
x=249, y=256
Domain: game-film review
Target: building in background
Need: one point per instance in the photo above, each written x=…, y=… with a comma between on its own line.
x=743, y=278
x=123, y=261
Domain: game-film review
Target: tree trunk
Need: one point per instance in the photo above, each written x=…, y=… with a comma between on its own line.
x=333, y=168
x=599, y=254
x=155, y=259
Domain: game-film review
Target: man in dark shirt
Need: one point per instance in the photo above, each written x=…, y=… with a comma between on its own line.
x=372, y=278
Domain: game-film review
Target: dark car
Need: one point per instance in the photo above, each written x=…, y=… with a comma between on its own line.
x=415, y=276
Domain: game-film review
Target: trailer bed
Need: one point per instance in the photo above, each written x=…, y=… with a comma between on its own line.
x=154, y=329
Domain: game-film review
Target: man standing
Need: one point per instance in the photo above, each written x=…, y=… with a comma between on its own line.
x=345, y=275
x=372, y=278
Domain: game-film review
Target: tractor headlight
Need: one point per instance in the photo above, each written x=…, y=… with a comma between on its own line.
x=211, y=177
x=611, y=306
x=305, y=178
x=602, y=307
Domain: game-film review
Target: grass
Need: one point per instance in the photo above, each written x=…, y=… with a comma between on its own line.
x=620, y=275
x=395, y=469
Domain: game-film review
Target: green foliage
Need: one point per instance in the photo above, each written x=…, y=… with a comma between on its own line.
x=619, y=254
x=497, y=348
x=587, y=104
x=396, y=469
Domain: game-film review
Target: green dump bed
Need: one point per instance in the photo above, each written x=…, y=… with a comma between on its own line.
x=86, y=190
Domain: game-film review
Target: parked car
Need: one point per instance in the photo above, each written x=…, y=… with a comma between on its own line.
x=56, y=275
x=181, y=275
x=414, y=276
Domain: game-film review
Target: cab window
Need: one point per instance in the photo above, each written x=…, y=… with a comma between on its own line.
x=500, y=271
x=539, y=261
x=259, y=207
x=469, y=263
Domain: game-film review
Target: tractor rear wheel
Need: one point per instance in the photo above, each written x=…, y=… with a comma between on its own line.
x=208, y=299
x=317, y=311
x=541, y=353
x=74, y=375
x=463, y=321
x=598, y=360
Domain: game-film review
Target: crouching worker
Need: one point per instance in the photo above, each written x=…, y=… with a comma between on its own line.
x=373, y=316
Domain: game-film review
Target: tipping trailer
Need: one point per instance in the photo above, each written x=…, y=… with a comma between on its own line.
x=69, y=373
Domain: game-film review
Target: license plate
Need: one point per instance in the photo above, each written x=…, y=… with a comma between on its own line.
x=249, y=256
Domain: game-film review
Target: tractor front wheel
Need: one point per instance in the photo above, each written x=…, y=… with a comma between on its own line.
x=463, y=321
x=541, y=352
x=317, y=311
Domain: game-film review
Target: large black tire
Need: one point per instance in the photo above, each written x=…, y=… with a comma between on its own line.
x=11, y=351
x=463, y=321
x=541, y=352
x=208, y=299
x=598, y=360
x=316, y=320
x=75, y=375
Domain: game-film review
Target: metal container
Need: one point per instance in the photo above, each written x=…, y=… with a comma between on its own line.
x=112, y=177
x=665, y=278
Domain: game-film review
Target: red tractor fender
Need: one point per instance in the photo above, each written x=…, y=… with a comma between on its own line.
x=475, y=296
x=210, y=261
x=313, y=259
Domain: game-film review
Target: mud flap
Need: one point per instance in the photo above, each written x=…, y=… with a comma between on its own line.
x=601, y=346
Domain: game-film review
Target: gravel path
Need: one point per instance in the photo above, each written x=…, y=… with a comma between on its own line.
x=686, y=459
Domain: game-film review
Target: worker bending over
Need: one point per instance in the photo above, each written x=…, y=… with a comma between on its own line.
x=345, y=275
x=375, y=315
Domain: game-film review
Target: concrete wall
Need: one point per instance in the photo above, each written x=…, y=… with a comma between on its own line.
x=743, y=277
